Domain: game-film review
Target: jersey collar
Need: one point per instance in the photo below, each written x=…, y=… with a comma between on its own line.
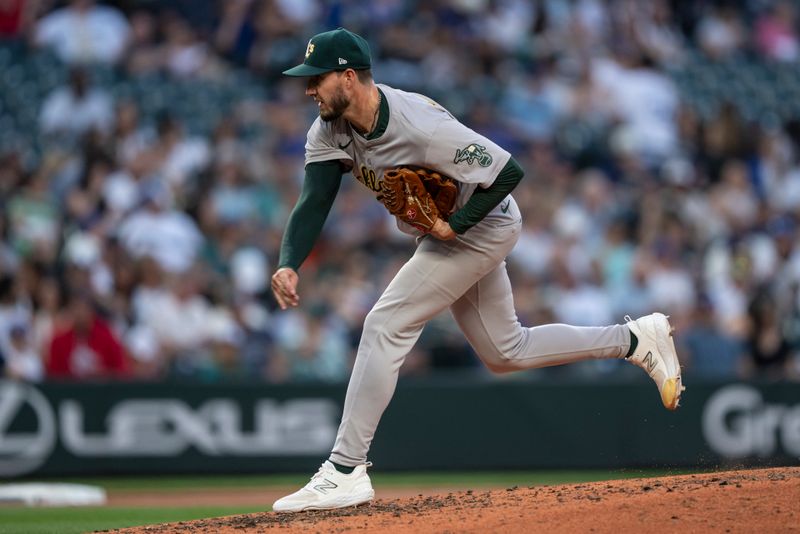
x=383, y=119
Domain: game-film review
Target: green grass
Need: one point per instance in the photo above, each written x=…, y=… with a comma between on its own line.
x=75, y=520
x=403, y=479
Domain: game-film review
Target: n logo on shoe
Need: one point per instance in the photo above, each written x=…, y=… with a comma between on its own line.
x=325, y=486
x=649, y=362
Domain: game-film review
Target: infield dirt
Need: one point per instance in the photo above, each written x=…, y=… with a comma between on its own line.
x=761, y=500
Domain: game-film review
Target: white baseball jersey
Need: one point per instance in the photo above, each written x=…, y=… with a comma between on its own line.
x=420, y=133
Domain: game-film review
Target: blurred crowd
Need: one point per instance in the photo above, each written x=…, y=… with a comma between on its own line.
x=138, y=233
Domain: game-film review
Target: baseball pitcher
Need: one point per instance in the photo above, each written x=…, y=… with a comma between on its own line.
x=451, y=188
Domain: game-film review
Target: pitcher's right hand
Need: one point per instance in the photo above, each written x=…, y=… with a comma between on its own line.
x=284, y=285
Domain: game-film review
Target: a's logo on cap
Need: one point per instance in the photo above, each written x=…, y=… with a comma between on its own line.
x=342, y=61
x=309, y=49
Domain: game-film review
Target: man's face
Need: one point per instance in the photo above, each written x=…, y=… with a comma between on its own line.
x=327, y=91
x=82, y=314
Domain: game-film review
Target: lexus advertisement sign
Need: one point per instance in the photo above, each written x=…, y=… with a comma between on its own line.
x=34, y=425
x=61, y=429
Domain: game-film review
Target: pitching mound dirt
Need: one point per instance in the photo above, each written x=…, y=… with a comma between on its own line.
x=763, y=500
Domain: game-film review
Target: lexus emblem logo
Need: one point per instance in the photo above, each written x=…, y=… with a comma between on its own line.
x=27, y=428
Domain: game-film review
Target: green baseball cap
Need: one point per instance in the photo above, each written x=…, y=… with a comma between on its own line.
x=337, y=49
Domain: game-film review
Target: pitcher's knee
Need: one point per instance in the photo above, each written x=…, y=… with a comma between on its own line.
x=385, y=324
x=373, y=322
x=498, y=362
x=500, y=369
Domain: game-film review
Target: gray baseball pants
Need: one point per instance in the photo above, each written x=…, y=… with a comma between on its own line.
x=467, y=274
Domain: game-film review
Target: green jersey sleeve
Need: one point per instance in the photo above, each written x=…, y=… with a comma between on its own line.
x=320, y=186
x=483, y=201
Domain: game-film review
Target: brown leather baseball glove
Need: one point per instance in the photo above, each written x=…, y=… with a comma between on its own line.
x=418, y=196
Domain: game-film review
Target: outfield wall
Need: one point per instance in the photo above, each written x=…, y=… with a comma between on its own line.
x=64, y=429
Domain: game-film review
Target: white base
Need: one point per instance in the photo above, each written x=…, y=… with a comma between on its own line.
x=41, y=494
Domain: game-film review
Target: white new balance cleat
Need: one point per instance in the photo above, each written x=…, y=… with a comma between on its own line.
x=656, y=354
x=329, y=489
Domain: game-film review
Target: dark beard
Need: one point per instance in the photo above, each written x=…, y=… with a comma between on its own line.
x=338, y=104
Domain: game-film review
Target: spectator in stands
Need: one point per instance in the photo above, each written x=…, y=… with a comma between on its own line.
x=12, y=171
x=14, y=313
x=177, y=157
x=159, y=230
x=720, y=33
x=235, y=34
x=16, y=17
x=654, y=31
x=776, y=32
x=48, y=312
x=9, y=262
x=23, y=361
x=84, y=264
x=783, y=233
x=232, y=199
x=84, y=32
x=84, y=206
x=506, y=24
x=775, y=172
x=87, y=349
x=145, y=54
x=185, y=54
x=767, y=343
x=535, y=105
x=645, y=101
x=578, y=299
x=617, y=256
x=33, y=219
x=123, y=189
x=315, y=347
x=734, y=198
x=709, y=351
x=669, y=283
x=187, y=326
x=131, y=139
x=71, y=111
